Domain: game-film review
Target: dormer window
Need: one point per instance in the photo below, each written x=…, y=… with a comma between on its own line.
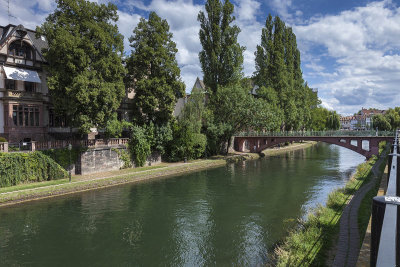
x=20, y=49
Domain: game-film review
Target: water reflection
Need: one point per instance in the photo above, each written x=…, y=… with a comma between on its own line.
x=226, y=216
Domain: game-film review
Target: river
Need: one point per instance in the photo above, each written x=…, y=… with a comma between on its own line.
x=230, y=215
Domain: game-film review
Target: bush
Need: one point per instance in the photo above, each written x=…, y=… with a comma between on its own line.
x=3, y=140
x=139, y=145
x=17, y=168
x=62, y=155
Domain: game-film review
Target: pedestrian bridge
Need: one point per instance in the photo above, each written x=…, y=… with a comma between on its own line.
x=258, y=141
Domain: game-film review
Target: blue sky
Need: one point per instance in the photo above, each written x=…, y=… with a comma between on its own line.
x=350, y=49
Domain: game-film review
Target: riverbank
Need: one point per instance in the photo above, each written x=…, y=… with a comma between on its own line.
x=311, y=242
x=80, y=183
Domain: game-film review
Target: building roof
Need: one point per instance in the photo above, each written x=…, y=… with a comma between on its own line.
x=38, y=43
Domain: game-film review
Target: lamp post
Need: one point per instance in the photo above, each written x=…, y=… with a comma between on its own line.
x=70, y=166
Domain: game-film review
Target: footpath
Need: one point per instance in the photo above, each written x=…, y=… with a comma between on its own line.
x=348, y=246
x=80, y=183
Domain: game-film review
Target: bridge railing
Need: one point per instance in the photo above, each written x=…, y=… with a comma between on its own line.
x=385, y=228
x=315, y=133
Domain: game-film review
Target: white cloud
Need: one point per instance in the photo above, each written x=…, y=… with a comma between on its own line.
x=362, y=48
x=126, y=23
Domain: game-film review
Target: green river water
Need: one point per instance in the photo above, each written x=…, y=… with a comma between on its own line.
x=232, y=215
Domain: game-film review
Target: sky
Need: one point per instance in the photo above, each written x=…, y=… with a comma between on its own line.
x=350, y=50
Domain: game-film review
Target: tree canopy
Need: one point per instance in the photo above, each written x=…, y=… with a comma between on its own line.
x=221, y=58
x=84, y=62
x=153, y=72
x=278, y=70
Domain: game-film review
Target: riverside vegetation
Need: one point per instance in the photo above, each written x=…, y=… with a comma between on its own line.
x=310, y=242
x=17, y=168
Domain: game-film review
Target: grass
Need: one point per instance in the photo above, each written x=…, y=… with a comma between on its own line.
x=364, y=212
x=308, y=245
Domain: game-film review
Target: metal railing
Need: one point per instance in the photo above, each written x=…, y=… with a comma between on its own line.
x=315, y=133
x=385, y=250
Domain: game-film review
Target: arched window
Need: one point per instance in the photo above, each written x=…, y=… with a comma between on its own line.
x=20, y=49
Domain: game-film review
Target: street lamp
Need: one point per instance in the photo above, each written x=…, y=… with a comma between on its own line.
x=70, y=166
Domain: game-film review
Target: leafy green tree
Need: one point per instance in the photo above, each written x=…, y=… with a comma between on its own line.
x=278, y=68
x=114, y=127
x=221, y=58
x=194, y=109
x=84, y=61
x=393, y=117
x=319, y=117
x=379, y=121
x=234, y=110
x=153, y=72
x=333, y=121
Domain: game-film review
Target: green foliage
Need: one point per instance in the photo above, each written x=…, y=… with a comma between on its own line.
x=17, y=168
x=114, y=127
x=379, y=121
x=84, y=61
x=333, y=121
x=278, y=73
x=159, y=136
x=125, y=156
x=3, y=140
x=153, y=71
x=310, y=242
x=139, y=145
x=62, y=155
x=233, y=109
x=221, y=58
x=393, y=117
x=186, y=143
x=323, y=119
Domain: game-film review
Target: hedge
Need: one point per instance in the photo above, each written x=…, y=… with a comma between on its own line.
x=62, y=155
x=17, y=168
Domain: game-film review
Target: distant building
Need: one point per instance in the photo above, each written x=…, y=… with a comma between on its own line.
x=360, y=121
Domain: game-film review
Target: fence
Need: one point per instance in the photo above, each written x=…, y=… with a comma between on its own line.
x=385, y=229
x=316, y=133
x=57, y=144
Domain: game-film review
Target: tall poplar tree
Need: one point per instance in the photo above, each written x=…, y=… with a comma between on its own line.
x=221, y=57
x=278, y=68
x=153, y=71
x=84, y=62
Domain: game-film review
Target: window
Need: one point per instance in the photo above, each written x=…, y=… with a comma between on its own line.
x=30, y=87
x=20, y=49
x=56, y=120
x=25, y=115
x=10, y=84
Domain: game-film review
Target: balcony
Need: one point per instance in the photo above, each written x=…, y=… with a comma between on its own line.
x=14, y=94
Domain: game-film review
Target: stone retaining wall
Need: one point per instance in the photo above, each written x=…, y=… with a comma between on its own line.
x=105, y=159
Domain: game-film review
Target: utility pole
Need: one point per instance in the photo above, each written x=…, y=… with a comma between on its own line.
x=8, y=11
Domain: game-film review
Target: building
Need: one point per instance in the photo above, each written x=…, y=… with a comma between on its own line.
x=25, y=110
x=199, y=84
x=360, y=121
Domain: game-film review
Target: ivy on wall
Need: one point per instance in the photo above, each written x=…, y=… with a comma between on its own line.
x=62, y=155
x=17, y=168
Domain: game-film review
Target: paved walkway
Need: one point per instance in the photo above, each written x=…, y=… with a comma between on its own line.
x=348, y=246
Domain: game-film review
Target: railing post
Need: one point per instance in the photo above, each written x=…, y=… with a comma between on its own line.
x=33, y=146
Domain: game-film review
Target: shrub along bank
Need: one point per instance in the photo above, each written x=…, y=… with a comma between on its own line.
x=310, y=242
x=17, y=168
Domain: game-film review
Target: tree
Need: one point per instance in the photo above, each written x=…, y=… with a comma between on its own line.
x=380, y=122
x=333, y=121
x=153, y=72
x=393, y=117
x=84, y=62
x=140, y=145
x=319, y=117
x=235, y=110
x=278, y=68
x=221, y=58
